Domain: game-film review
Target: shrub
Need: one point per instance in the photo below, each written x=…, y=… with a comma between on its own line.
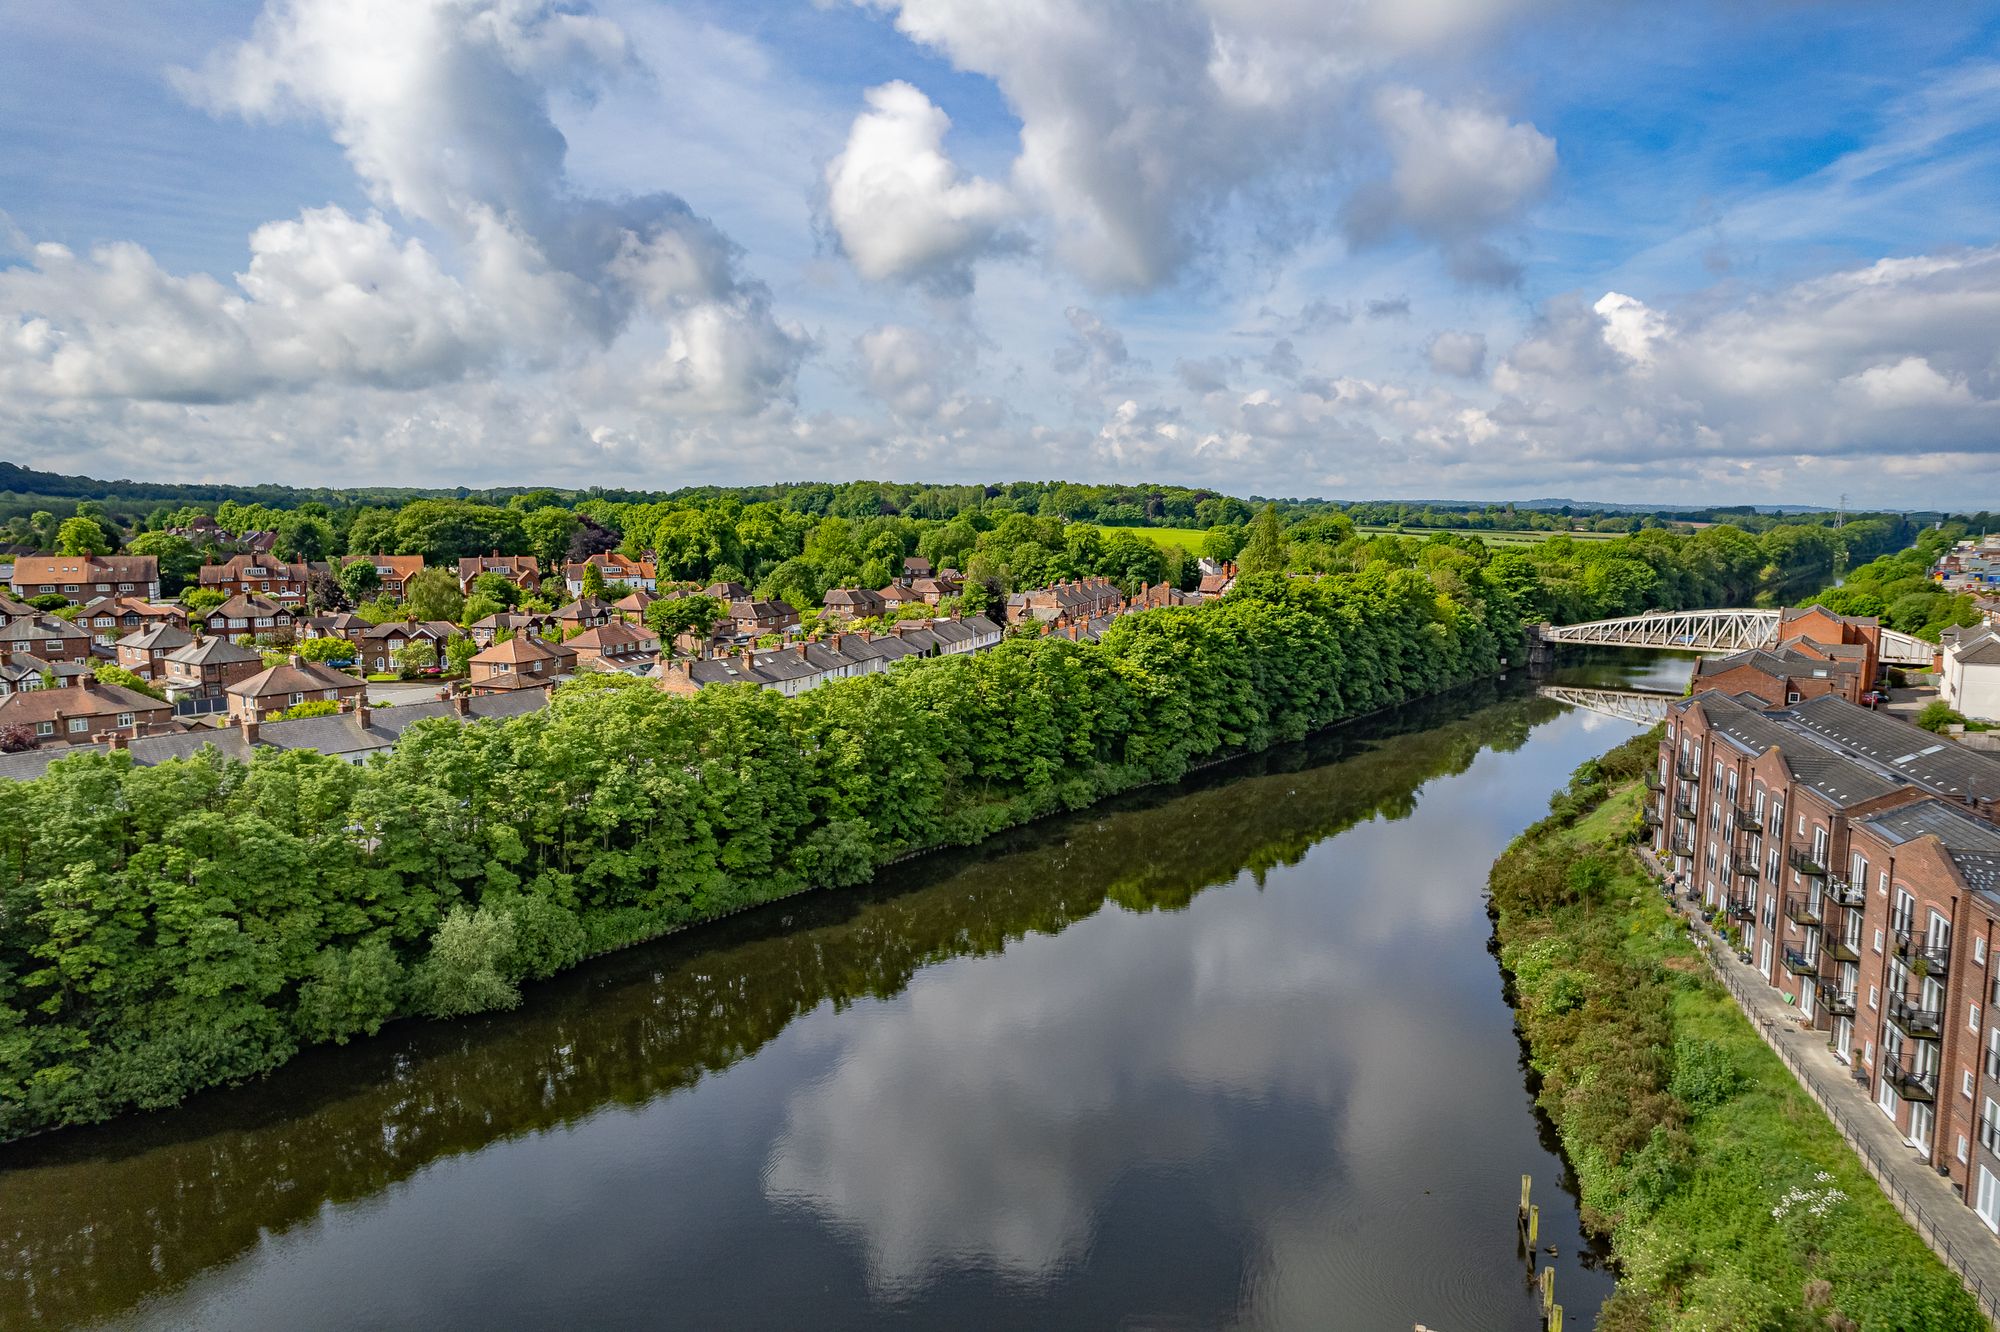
x=466, y=969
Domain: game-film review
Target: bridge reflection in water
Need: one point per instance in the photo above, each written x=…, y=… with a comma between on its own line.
x=1633, y=705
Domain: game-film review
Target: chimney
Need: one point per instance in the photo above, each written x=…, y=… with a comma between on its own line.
x=802, y=650
x=297, y=660
x=462, y=704
x=116, y=740
x=249, y=728
x=956, y=614
x=361, y=711
x=749, y=659
x=87, y=683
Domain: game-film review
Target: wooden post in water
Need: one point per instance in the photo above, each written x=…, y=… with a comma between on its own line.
x=1548, y=1291
x=1556, y=1319
x=1534, y=1226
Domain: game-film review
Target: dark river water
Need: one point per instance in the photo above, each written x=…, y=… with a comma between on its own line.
x=1228, y=1055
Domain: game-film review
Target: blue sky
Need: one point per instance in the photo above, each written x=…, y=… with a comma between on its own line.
x=1480, y=248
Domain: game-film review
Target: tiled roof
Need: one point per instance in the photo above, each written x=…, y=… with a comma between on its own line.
x=213, y=652
x=287, y=677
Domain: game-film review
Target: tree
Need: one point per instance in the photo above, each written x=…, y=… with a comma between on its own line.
x=359, y=581
x=548, y=531
x=324, y=649
x=432, y=594
x=416, y=657
x=312, y=707
x=179, y=560
x=593, y=581
x=373, y=532
x=463, y=972
x=498, y=588
x=81, y=536
x=201, y=600
x=444, y=531
x=49, y=601
x=1265, y=551
x=113, y=674
x=458, y=654
x=16, y=737
x=694, y=615
x=301, y=536
x=324, y=593
x=1222, y=543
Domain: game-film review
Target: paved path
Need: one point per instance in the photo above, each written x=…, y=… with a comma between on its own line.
x=1925, y=1198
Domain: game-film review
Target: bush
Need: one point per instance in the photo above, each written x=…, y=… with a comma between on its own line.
x=1938, y=717
x=351, y=992
x=1704, y=1074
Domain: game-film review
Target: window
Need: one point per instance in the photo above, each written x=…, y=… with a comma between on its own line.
x=125, y=719
x=78, y=725
x=1972, y=1017
x=1868, y=1052
x=1979, y=952
x=1792, y=696
x=49, y=728
x=1878, y=940
x=1965, y=1083
x=1873, y=995
x=1961, y=1146
x=298, y=699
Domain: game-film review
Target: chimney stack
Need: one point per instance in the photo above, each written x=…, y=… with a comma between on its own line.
x=250, y=728
x=461, y=704
x=361, y=712
x=749, y=658
x=87, y=683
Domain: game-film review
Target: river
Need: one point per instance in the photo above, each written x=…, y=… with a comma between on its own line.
x=1228, y=1055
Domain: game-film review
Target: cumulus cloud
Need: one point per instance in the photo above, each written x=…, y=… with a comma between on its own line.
x=442, y=109
x=899, y=206
x=1456, y=172
x=1094, y=348
x=1206, y=374
x=1142, y=119
x=1455, y=353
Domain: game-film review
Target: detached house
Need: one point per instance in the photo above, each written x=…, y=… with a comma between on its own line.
x=519, y=663
x=288, y=684
x=584, y=613
x=82, y=712
x=49, y=637
x=84, y=577
x=380, y=644
x=520, y=570
x=615, y=647
x=247, y=614
x=616, y=568
x=144, y=652
x=109, y=617
x=258, y=575
x=204, y=669
x=394, y=570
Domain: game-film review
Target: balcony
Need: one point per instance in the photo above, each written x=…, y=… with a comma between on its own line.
x=1746, y=819
x=1803, y=911
x=1742, y=908
x=1924, y=1024
x=1687, y=771
x=1652, y=816
x=1805, y=864
x=1921, y=956
x=1836, y=1001
x=1685, y=849
x=1799, y=964
x=1655, y=783
x=1747, y=869
x=1683, y=810
x=1845, y=893
x=1989, y=1136
x=1912, y=1084
x=1842, y=949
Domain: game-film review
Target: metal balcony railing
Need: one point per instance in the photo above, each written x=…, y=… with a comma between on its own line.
x=1925, y=1024
x=1803, y=911
x=1912, y=1084
x=1801, y=964
x=1747, y=819
x=1922, y=956
x=1805, y=864
x=1741, y=908
x=1989, y=1136
x=1843, y=948
x=1836, y=1001
x=1845, y=893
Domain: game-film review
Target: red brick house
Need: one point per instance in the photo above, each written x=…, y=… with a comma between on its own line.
x=288, y=684
x=393, y=570
x=615, y=647
x=49, y=637
x=616, y=568
x=206, y=667
x=1781, y=675
x=83, y=712
x=257, y=575
x=144, y=653
x=521, y=662
x=520, y=570
x=86, y=577
x=247, y=614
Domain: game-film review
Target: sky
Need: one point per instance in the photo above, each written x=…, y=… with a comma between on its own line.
x=1498, y=249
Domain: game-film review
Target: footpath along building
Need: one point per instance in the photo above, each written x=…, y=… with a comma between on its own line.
x=1860, y=858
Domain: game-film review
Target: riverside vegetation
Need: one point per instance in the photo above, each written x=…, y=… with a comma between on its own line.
x=1729, y=1199
x=171, y=928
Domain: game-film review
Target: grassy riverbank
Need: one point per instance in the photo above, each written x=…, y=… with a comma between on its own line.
x=1730, y=1200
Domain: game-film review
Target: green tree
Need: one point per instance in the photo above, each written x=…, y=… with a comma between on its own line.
x=201, y=600
x=301, y=536
x=1265, y=551
x=414, y=658
x=463, y=973
x=697, y=615
x=359, y=580
x=548, y=532
x=458, y=654
x=179, y=560
x=312, y=707
x=432, y=594
x=113, y=674
x=324, y=649
x=593, y=581
x=82, y=536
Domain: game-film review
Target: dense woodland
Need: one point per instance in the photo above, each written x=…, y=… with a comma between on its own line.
x=164, y=929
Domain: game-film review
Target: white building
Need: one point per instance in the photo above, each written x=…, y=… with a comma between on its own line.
x=1971, y=676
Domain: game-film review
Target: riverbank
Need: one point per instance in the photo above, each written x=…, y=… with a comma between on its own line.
x=1729, y=1199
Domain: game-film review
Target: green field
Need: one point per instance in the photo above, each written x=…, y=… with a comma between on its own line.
x=1491, y=538
x=1188, y=539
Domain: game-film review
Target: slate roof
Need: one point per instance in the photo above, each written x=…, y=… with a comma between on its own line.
x=213, y=651
x=1928, y=760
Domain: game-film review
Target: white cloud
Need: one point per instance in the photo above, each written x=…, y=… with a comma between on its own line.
x=1454, y=353
x=899, y=205
x=1456, y=173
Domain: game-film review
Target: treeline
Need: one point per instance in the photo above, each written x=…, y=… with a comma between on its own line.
x=169, y=928
x=1897, y=587
x=1730, y=1201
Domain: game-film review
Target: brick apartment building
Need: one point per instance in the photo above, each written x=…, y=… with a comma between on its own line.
x=1860, y=858
x=1780, y=675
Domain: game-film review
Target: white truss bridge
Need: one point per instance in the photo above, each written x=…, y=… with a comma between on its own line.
x=1719, y=631
x=1625, y=704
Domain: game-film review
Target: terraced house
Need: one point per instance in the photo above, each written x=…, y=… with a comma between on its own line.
x=1860, y=859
